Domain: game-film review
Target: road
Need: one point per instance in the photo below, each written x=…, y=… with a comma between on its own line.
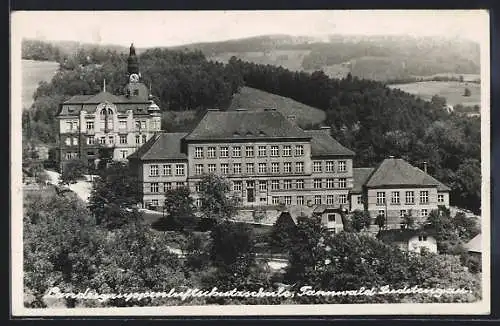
x=81, y=188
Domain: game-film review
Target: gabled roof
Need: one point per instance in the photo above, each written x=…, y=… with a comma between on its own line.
x=78, y=99
x=104, y=97
x=400, y=235
x=398, y=172
x=163, y=146
x=360, y=176
x=474, y=245
x=322, y=144
x=245, y=125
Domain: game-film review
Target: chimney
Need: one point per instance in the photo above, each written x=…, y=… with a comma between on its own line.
x=425, y=166
x=292, y=118
x=326, y=129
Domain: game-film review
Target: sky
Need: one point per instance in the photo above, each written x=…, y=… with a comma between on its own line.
x=168, y=28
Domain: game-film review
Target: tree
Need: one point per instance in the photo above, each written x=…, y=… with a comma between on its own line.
x=73, y=171
x=216, y=201
x=283, y=233
x=380, y=221
x=179, y=209
x=467, y=92
x=360, y=220
x=114, y=197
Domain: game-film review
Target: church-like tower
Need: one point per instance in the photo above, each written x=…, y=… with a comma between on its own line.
x=135, y=89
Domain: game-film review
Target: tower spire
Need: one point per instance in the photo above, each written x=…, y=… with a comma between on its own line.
x=133, y=63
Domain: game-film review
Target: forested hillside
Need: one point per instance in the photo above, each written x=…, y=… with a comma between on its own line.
x=365, y=115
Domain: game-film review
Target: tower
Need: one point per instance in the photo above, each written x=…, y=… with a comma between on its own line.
x=135, y=89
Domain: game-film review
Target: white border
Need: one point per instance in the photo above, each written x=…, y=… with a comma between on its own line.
x=18, y=309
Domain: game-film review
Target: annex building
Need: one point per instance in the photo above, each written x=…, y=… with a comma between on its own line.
x=105, y=125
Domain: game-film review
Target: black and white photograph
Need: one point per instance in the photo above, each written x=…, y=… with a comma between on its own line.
x=181, y=163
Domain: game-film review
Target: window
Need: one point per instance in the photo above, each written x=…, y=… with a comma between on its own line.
x=250, y=168
x=330, y=183
x=198, y=168
x=224, y=168
x=342, y=166
x=275, y=151
x=299, y=167
x=167, y=186
x=381, y=212
x=249, y=151
x=198, y=152
x=68, y=141
x=395, y=197
x=237, y=185
x=262, y=151
x=342, y=183
x=299, y=184
x=422, y=238
x=330, y=166
x=111, y=139
x=360, y=200
x=402, y=213
x=212, y=168
x=179, y=169
x=275, y=167
x=153, y=170
x=167, y=169
x=211, y=152
x=300, y=200
x=236, y=151
x=317, y=199
x=124, y=153
x=287, y=150
x=263, y=199
x=144, y=138
x=123, y=124
x=197, y=187
x=409, y=196
x=236, y=168
x=317, y=166
x=288, y=200
x=90, y=140
x=262, y=185
x=342, y=199
x=262, y=168
x=102, y=140
x=287, y=167
x=275, y=200
x=440, y=198
x=137, y=139
x=198, y=202
x=380, y=198
x=287, y=184
x=90, y=125
x=299, y=150
x=329, y=199
x=179, y=184
x=275, y=184
x=224, y=152
x=154, y=187
x=123, y=139
x=154, y=202
x=317, y=184
x=424, y=213
x=143, y=124
x=424, y=197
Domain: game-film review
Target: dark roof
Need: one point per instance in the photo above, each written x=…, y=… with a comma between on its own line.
x=322, y=144
x=398, y=172
x=400, y=235
x=360, y=175
x=245, y=125
x=78, y=99
x=162, y=146
x=104, y=97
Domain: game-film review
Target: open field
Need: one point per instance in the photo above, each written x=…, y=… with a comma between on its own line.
x=452, y=91
x=34, y=72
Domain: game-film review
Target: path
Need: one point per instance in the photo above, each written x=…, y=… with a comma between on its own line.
x=81, y=188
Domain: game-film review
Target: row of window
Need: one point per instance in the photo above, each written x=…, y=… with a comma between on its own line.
x=250, y=168
x=318, y=200
x=291, y=184
x=423, y=212
x=155, y=186
x=167, y=170
x=236, y=151
x=71, y=155
x=108, y=124
x=409, y=197
x=329, y=166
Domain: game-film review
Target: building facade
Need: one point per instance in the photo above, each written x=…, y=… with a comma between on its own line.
x=268, y=160
x=108, y=126
x=394, y=189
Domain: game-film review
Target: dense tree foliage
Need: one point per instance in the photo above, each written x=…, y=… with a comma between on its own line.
x=283, y=233
x=73, y=171
x=360, y=220
x=179, y=209
x=217, y=201
x=375, y=121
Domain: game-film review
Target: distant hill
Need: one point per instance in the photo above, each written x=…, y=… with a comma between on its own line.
x=34, y=72
x=255, y=100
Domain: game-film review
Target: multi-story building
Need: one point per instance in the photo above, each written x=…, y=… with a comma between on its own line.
x=93, y=127
x=394, y=189
x=267, y=158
